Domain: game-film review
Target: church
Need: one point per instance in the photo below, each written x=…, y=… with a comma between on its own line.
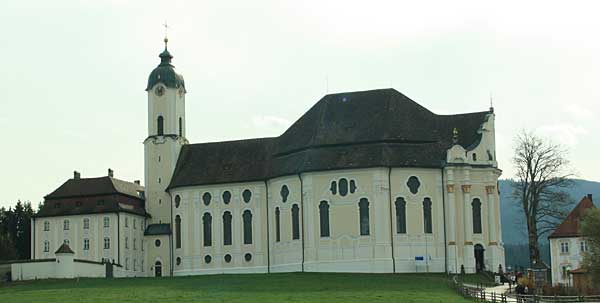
x=366, y=181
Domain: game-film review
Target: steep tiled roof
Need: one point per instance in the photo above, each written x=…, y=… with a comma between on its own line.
x=158, y=229
x=96, y=186
x=64, y=249
x=570, y=226
x=345, y=130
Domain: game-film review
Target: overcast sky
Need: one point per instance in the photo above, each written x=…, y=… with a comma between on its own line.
x=74, y=73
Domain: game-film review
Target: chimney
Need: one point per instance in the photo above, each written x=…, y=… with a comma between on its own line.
x=76, y=175
x=137, y=182
x=111, y=173
x=590, y=197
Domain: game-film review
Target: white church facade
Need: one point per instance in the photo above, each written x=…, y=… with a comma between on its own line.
x=365, y=181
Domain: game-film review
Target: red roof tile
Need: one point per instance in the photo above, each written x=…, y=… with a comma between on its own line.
x=570, y=226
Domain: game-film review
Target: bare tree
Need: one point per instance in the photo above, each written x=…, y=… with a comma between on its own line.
x=541, y=179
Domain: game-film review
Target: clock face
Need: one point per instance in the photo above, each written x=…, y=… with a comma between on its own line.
x=159, y=90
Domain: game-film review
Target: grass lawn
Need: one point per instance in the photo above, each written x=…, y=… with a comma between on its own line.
x=287, y=287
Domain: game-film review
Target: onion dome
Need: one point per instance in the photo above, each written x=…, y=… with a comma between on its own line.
x=165, y=72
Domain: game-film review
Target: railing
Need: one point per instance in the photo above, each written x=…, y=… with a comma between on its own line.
x=479, y=294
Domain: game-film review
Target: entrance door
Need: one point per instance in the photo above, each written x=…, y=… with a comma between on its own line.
x=157, y=269
x=109, y=270
x=479, y=266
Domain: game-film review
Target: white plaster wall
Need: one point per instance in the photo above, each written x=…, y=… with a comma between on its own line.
x=572, y=260
x=32, y=271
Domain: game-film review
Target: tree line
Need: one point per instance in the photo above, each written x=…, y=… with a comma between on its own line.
x=15, y=231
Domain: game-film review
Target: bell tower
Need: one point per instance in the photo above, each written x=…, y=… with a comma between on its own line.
x=166, y=135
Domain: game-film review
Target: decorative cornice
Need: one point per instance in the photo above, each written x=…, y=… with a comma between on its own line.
x=451, y=243
x=450, y=188
x=468, y=243
x=493, y=243
x=466, y=188
x=490, y=189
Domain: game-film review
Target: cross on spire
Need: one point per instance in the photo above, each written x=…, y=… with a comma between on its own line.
x=166, y=33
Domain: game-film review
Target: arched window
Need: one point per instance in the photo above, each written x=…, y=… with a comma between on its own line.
x=177, y=231
x=160, y=126
x=427, y=216
x=324, y=218
x=106, y=243
x=207, y=229
x=295, y=222
x=46, y=246
x=227, y=228
x=180, y=127
x=247, y=217
x=476, y=207
x=363, y=209
x=400, y=215
x=277, y=225
x=66, y=224
x=343, y=187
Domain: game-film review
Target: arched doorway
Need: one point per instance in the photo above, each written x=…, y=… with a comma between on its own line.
x=479, y=265
x=158, y=269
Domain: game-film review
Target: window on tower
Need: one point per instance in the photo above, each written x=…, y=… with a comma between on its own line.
x=180, y=127
x=159, y=126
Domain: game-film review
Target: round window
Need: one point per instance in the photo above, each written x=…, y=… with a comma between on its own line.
x=248, y=257
x=207, y=259
x=177, y=201
x=206, y=198
x=227, y=258
x=157, y=243
x=247, y=195
x=178, y=260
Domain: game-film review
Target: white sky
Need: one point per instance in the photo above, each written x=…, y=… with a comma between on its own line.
x=74, y=73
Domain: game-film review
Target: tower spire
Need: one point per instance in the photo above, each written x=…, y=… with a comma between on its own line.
x=166, y=34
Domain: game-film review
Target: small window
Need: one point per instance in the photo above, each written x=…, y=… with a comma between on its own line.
x=180, y=127
x=86, y=244
x=247, y=195
x=126, y=222
x=126, y=243
x=247, y=218
x=159, y=126
x=206, y=198
x=86, y=223
x=134, y=264
x=66, y=224
x=295, y=222
x=352, y=186
x=564, y=247
x=474, y=157
x=363, y=207
x=343, y=187
x=134, y=224
x=177, y=231
x=284, y=193
x=277, y=225
x=107, y=243
x=177, y=201
x=583, y=246
x=226, y=197
x=66, y=241
x=227, y=258
x=46, y=226
x=106, y=222
x=157, y=243
x=413, y=184
x=248, y=257
x=427, y=216
x=333, y=187
x=126, y=263
x=324, y=218
x=178, y=261
x=207, y=229
x=134, y=244
x=46, y=246
x=207, y=259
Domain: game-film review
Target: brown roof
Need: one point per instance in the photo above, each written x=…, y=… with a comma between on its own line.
x=570, y=226
x=64, y=249
x=97, y=186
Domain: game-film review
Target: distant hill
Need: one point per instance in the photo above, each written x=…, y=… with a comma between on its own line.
x=514, y=229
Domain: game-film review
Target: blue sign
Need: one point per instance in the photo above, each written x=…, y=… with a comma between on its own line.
x=419, y=258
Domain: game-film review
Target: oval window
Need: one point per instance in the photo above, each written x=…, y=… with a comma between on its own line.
x=207, y=259
x=157, y=243
x=226, y=197
x=343, y=187
x=248, y=257
x=206, y=198
x=177, y=201
x=284, y=193
x=247, y=195
x=227, y=258
x=413, y=184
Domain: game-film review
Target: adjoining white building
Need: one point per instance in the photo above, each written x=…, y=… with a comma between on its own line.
x=567, y=244
x=365, y=181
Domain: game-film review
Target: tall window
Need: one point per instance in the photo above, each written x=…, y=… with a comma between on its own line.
x=227, y=228
x=46, y=226
x=324, y=218
x=427, y=216
x=583, y=246
x=106, y=222
x=46, y=246
x=476, y=208
x=86, y=244
x=207, y=229
x=177, y=231
x=247, y=217
x=180, y=127
x=126, y=242
x=363, y=209
x=126, y=222
x=159, y=126
x=107, y=243
x=295, y=222
x=277, y=225
x=400, y=215
x=86, y=223
x=66, y=224
x=134, y=243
